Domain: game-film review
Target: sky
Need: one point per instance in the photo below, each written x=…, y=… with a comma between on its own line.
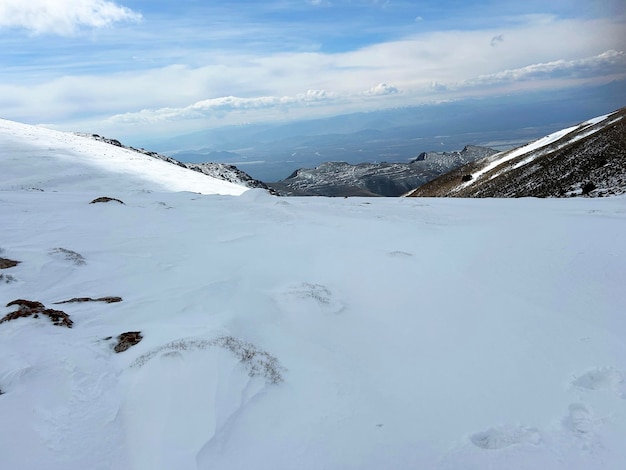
x=156, y=67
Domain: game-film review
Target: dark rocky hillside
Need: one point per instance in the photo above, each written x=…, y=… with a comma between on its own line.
x=588, y=160
x=375, y=179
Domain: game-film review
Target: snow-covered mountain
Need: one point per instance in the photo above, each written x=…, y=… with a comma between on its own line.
x=219, y=171
x=586, y=159
x=190, y=331
x=375, y=179
x=41, y=159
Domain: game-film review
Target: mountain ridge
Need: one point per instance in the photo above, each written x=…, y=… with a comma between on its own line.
x=222, y=171
x=586, y=159
x=375, y=179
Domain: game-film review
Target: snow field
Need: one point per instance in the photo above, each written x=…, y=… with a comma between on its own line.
x=447, y=334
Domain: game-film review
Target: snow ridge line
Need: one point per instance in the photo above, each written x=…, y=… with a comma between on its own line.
x=256, y=361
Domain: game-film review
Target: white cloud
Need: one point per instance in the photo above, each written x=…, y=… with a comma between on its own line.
x=227, y=104
x=209, y=87
x=62, y=17
x=382, y=89
x=606, y=63
x=438, y=87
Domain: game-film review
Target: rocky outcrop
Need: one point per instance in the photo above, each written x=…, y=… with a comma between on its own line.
x=375, y=179
x=127, y=340
x=32, y=308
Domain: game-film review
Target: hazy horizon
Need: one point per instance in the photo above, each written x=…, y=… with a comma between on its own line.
x=139, y=69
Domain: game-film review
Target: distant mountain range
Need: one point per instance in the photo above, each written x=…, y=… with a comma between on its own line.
x=335, y=178
x=375, y=179
x=273, y=151
x=587, y=159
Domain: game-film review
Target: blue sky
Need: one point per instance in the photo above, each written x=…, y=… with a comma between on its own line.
x=149, y=67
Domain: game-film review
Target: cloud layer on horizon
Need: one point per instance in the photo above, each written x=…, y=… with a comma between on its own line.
x=611, y=63
x=156, y=72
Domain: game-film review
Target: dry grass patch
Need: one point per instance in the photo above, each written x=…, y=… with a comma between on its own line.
x=256, y=361
x=69, y=255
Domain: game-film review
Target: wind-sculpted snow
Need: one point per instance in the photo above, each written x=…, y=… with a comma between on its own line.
x=258, y=363
x=309, y=333
x=194, y=389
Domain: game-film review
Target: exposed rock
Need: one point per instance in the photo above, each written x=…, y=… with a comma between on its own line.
x=27, y=308
x=26, y=304
x=588, y=187
x=105, y=199
x=108, y=300
x=6, y=263
x=126, y=340
x=229, y=173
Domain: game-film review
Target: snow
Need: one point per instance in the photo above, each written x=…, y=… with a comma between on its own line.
x=406, y=333
x=596, y=120
x=49, y=160
x=576, y=138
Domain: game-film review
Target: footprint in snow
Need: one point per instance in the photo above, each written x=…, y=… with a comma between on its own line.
x=305, y=295
x=603, y=378
x=505, y=436
x=580, y=421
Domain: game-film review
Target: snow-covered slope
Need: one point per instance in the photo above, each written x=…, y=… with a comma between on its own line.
x=589, y=158
x=42, y=159
x=307, y=333
x=218, y=171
